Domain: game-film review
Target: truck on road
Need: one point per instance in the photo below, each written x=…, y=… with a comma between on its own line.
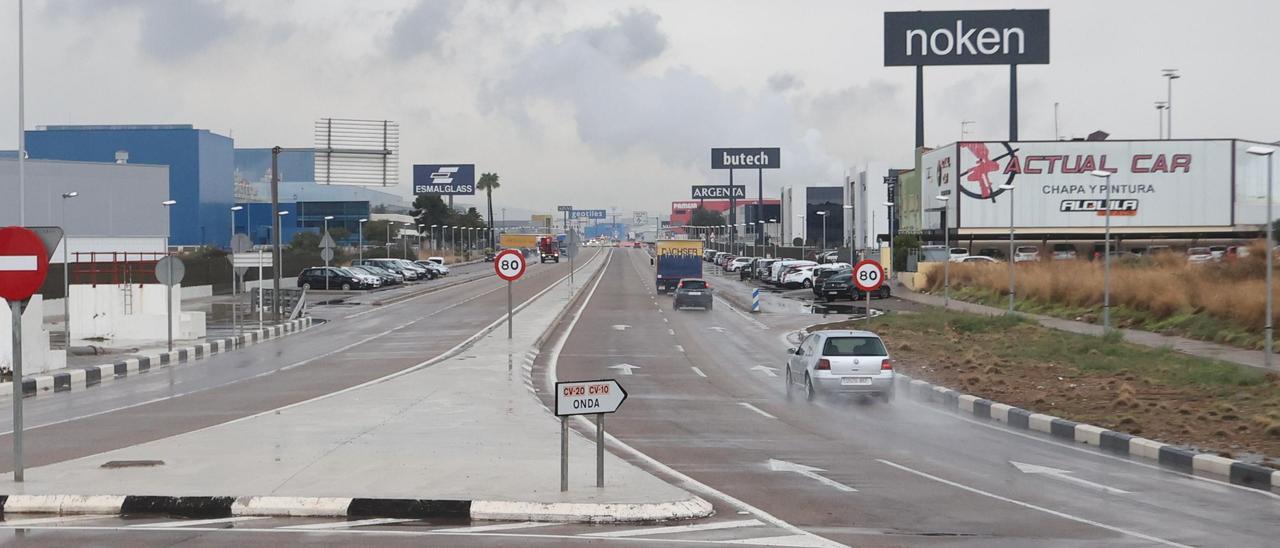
x=677, y=260
x=548, y=249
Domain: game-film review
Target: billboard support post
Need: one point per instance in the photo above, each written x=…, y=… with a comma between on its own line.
x=919, y=106
x=1013, y=103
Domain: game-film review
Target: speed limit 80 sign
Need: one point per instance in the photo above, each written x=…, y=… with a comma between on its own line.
x=868, y=275
x=509, y=264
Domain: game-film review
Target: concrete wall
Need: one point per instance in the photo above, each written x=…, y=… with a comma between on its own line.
x=36, y=356
x=103, y=311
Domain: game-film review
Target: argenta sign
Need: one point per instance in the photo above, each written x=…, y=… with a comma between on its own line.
x=994, y=37
x=709, y=192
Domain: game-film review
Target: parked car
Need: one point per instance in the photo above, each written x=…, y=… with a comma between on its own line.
x=723, y=261
x=979, y=259
x=692, y=292
x=424, y=273
x=829, y=257
x=1064, y=252
x=822, y=273
x=367, y=280
x=437, y=260
x=762, y=268
x=709, y=254
x=738, y=263
x=329, y=277
x=958, y=254
x=779, y=269
x=388, y=278
x=840, y=362
x=1025, y=253
x=1219, y=252
x=1199, y=255
x=799, y=276
x=437, y=269
x=993, y=252
x=1237, y=251
x=394, y=266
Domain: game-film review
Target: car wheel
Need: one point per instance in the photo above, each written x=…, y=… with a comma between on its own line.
x=787, y=379
x=884, y=292
x=306, y=286
x=709, y=307
x=346, y=287
x=808, y=284
x=810, y=393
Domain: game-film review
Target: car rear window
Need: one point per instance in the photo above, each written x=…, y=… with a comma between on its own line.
x=853, y=346
x=693, y=284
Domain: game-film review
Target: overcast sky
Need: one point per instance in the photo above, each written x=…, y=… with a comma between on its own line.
x=617, y=103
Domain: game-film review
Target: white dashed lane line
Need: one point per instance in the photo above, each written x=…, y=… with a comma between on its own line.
x=699, y=372
x=756, y=409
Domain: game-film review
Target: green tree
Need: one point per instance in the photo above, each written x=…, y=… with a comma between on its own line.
x=901, y=244
x=488, y=183
x=430, y=209
x=305, y=241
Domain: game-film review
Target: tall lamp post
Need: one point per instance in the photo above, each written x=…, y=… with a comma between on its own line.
x=774, y=238
x=1269, y=331
x=946, y=243
x=327, y=218
x=823, y=246
x=168, y=294
x=1160, y=106
x=893, y=251
x=1106, y=251
x=66, y=270
x=804, y=232
x=404, y=242
x=234, y=328
x=851, y=244
x=360, y=244
x=1170, y=75
x=435, y=244
x=1012, y=280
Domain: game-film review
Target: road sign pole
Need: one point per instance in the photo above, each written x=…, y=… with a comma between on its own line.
x=260, y=302
x=564, y=454
x=15, y=311
x=168, y=297
x=868, y=309
x=509, y=328
x=599, y=449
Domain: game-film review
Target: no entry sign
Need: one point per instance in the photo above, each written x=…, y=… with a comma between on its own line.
x=24, y=263
x=509, y=264
x=868, y=275
x=588, y=397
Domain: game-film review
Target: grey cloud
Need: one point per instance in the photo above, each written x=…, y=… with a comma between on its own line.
x=171, y=31
x=783, y=82
x=632, y=40
x=421, y=29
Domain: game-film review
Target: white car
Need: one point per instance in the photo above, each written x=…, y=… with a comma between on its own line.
x=1199, y=255
x=437, y=260
x=958, y=254
x=978, y=259
x=738, y=263
x=775, y=269
x=799, y=277
x=1026, y=253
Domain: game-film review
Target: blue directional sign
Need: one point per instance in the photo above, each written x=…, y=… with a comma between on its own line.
x=588, y=214
x=458, y=179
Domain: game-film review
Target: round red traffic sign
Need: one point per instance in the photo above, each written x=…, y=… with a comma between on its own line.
x=509, y=264
x=868, y=275
x=24, y=263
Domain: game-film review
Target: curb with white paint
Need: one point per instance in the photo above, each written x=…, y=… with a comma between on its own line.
x=81, y=378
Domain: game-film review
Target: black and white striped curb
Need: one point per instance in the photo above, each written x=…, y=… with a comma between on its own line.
x=275, y=506
x=1120, y=443
x=87, y=377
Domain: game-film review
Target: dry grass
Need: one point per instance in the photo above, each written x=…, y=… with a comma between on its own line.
x=1163, y=287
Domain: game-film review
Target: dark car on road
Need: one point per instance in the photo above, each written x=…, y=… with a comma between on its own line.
x=329, y=277
x=692, y=292
x=387, y=277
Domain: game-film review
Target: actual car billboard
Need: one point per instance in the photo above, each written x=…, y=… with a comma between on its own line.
x=1153, y=183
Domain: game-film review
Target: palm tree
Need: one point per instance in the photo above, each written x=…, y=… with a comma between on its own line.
x=488, y=182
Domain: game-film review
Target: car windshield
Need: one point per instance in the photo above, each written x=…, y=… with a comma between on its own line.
x=853, y=346
x=693, y=284
x=841, y=277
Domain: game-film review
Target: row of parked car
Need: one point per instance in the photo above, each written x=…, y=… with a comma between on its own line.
x=830, y=280
x=372, y=273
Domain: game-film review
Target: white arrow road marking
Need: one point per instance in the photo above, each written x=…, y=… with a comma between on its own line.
x=1064, y=475
x=196, y=523
x=718, y=329
x=770, y=371
x=713, y=526
x=621, y=327
x=699, y=372
x=808, y=472
x=17, y=263
x=625, y=368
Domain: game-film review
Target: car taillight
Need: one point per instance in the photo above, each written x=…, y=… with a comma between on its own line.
x=886, y=365
x=708, y=286
x=824, y=365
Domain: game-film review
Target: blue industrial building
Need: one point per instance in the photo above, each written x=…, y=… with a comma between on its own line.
x=255, y=220
x=200, y=169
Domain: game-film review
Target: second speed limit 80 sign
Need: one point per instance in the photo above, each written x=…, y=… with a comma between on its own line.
x=868, y=275
x=509, y=264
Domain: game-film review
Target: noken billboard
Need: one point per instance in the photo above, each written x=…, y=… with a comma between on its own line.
x=1153, y=183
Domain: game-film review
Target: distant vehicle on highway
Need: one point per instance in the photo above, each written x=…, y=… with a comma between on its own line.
x=1199, y=255
x=692, y=292
x=434, y=269
x=676, y=260
x=840, y=362
x=548, y=249
x=979, y=259
x=330, y=277
x=1064, y=252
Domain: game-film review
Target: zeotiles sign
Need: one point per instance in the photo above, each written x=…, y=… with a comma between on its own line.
x=988, y=37
x=456, y=179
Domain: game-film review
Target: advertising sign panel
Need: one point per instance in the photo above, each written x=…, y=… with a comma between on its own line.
x=989, y=37
x=456, y=179
x=1153, y=183
x=707, y=192
x=746, y=158
x=540, y=220
x=588, y=214
x=639, y=217
x=938, y=174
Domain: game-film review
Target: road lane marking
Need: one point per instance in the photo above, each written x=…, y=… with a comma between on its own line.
x=770, y=371
x=55, y=519
x=498, y=527
x=679, y=348
x=808, y=472
x=671, y=332
x=647, y=531
x=196, y=523
x=1064, y=475
x=699, y=372
x=619, y=446
x=347, y=524
x=625, y=368
x=1030, y=506
x=794, y=541
x=756, y=409
x=743, y=314
x=664, y=320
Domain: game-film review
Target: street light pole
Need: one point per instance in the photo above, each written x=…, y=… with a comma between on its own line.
x=1012, y=282
x=66, y=270
x=168, y=294
x=1170, y=75
x=1106, y=250
x=1268, y=329
x=361, y=237
x=946, y=243
x=1160, y=106
x=234, y=209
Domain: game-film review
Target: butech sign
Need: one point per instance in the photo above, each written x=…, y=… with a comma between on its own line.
x=988, y=37
x=746, y=158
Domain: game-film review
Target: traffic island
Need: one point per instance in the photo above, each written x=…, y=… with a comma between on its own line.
x=459, y=433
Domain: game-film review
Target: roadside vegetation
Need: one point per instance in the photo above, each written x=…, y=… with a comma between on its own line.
x=1220, y=302
x=1154, y=393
